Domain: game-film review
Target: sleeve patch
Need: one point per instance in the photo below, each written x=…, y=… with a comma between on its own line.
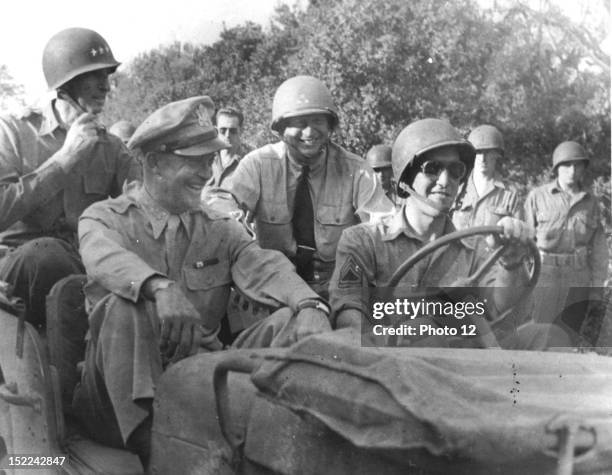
x=350, y=274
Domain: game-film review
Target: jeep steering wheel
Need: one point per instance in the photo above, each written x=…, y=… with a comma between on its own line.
x=476, y=275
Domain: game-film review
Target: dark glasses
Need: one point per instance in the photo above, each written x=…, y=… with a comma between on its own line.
x=231, y=130
x=433, y=168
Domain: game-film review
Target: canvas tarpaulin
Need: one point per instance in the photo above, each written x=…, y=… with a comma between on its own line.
x=482, y=405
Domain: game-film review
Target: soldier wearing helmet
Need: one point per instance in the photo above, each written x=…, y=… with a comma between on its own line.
x=304, y=190
x=379, y=158
x=571, y=240
x=485, y=198
x=55, y=162
x=430, y=160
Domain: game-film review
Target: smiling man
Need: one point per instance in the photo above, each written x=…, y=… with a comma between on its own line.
x=305, y=190
x=160, y=266
x=55, y=162
x=430, y=160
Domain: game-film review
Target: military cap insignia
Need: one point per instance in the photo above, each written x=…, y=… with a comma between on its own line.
x=203, y=116
x=350, y=274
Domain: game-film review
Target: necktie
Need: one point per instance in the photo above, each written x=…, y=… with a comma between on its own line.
x=173, y=254
x=303, y=227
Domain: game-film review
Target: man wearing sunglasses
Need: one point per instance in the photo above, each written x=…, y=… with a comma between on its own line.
x=228, y=122
x=430, y=159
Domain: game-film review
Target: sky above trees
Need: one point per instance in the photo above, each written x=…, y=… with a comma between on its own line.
x=136, y=26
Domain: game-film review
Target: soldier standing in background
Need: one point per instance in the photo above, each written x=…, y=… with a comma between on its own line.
x=379, y=158
x=54, y=163
x=571, y=240
x=486, y=198
x=229, y=122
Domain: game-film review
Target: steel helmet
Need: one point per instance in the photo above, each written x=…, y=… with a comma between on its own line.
x=486, y=137
x=75, y=51
x=302, y=95
x=422, y=136
x=568, y=152
x=379, y=156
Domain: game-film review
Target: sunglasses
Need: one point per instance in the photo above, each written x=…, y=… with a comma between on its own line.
x=433, y=168
x=231, y=130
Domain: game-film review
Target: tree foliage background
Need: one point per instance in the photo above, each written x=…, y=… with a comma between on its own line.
x=537, y=75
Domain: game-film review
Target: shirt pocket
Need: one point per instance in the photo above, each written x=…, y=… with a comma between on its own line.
x=331, y=220
x=274, y=228
x=208, y=277
x=336, y=215
x=273, y=213
x=584, y=226
x=549, y=227
x=495, y=213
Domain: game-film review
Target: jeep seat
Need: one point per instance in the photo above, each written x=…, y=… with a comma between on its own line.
x=67, y=327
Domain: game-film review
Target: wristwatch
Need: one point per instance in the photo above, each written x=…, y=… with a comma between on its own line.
x=314, y=303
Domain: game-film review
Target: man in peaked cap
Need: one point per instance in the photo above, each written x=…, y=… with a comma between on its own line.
x=160, y=266
x=54, y=163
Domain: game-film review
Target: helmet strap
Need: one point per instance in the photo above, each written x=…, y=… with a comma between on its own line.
x=408, y=189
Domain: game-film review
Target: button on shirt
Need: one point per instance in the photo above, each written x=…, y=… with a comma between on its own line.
x=566, y=223
x=343, y=188
x=47, y=202
x=123, y=243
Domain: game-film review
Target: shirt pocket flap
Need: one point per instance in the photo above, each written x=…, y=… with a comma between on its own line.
x=336, y=215
x=273, y=213
x=207, y=277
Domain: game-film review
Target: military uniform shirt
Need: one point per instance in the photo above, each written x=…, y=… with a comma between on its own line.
x=369, y=254
x=221, y=173
x=566, y=224
x=123, y=243
x=497, y=202
x=47, y=201
x=343, y=189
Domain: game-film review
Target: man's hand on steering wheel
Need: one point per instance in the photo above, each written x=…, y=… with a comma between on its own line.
x=515, y=235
